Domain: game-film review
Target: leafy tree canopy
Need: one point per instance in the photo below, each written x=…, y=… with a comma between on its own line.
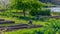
x=26, y=4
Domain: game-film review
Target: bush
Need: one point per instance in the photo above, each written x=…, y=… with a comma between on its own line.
x=55, y=24
x=33, y=12
x=46, y=12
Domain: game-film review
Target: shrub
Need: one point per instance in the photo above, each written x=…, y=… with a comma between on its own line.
x=33, y=12
x=40, y=12
x=55, y=24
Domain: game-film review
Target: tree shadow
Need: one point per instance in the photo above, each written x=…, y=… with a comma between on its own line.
x=25, y=18
x=33, y=18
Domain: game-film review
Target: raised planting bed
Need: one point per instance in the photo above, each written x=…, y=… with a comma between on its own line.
x=7, y=22
x=20, y=26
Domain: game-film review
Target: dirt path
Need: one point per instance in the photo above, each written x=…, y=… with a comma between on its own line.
x=19, y=26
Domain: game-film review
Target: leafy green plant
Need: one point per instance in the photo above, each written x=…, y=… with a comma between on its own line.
x=55, y=24
x=35, y=12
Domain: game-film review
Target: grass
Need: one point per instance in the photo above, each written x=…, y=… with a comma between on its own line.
x=23, y=21
x=55, y=13
x=18, y=21
x=25, y=31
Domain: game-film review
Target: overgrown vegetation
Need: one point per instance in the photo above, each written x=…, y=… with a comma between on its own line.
x=46, y=12
x=21, y=11
x=51, y=27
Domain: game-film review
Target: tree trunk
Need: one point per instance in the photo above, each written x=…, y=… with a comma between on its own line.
x=24, y=13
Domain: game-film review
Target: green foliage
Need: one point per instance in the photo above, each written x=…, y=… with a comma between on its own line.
x=49, y=31
x=33, y=5
x=40, y=12
x=24, y=4
x=55, y=24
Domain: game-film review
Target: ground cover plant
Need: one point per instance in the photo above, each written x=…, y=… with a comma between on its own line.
x=27, y=11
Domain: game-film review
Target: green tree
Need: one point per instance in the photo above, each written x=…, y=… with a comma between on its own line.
x=45, y=12
x=26, y=4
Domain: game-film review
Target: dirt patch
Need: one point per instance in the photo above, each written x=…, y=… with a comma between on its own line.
x=7, y=22
x=19, y=26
